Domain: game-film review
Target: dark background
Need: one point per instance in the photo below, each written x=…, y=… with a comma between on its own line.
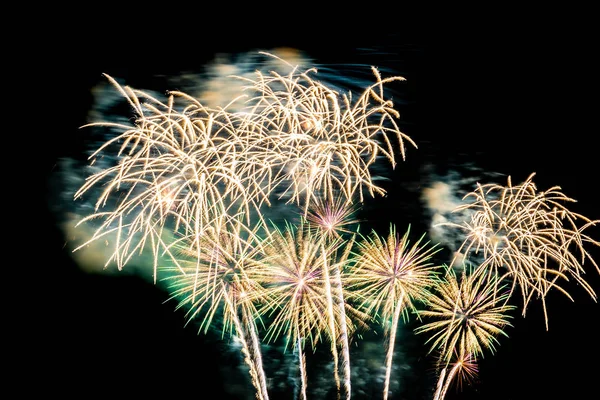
x=514, y=104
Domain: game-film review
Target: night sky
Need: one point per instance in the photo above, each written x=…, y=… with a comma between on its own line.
x=502, y=107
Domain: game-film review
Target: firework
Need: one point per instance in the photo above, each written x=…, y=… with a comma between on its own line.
x=463, y=368
x=302, y=305
x=333, y=219
x=389, y=277
x=213, y=276
x=527, y=237
x=329, y=139
x=192, y=184
x=469, y=312
x=177, y=166
x=189, y=162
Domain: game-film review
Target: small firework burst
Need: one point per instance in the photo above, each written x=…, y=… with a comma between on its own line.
x=333, y=219
x=469, y=312
x=389, y=277
x=390, y=273
x=462, y=370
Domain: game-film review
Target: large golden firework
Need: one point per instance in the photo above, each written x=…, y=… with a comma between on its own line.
x=184, y=165
x=329, y=140
x=176, y=165
x=527, y=237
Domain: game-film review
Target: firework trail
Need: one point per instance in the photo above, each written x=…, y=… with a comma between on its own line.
x=463, y=369
x=334, y=221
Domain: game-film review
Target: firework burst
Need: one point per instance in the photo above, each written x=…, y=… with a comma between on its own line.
x=389, y=276
x=527, y=237
x=213, y=276
x=302, y=305
x=330, y=140
x=177, y=166
x=462, y=369
x=469, y=312
x=333, y=219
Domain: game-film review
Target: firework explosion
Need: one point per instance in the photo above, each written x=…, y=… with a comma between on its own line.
x=185, y=168
x=205, y=184
x=527, y=237
x=389, y=278
x=469, y=313
x=302, y=304
x=213, y=275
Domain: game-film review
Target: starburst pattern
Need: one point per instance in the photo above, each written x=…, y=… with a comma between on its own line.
x=334, y=219
x=462, y=370
x=389, y=277
x=331, y=222
x=294, y=280
x=469, y=312
x=302, y=305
